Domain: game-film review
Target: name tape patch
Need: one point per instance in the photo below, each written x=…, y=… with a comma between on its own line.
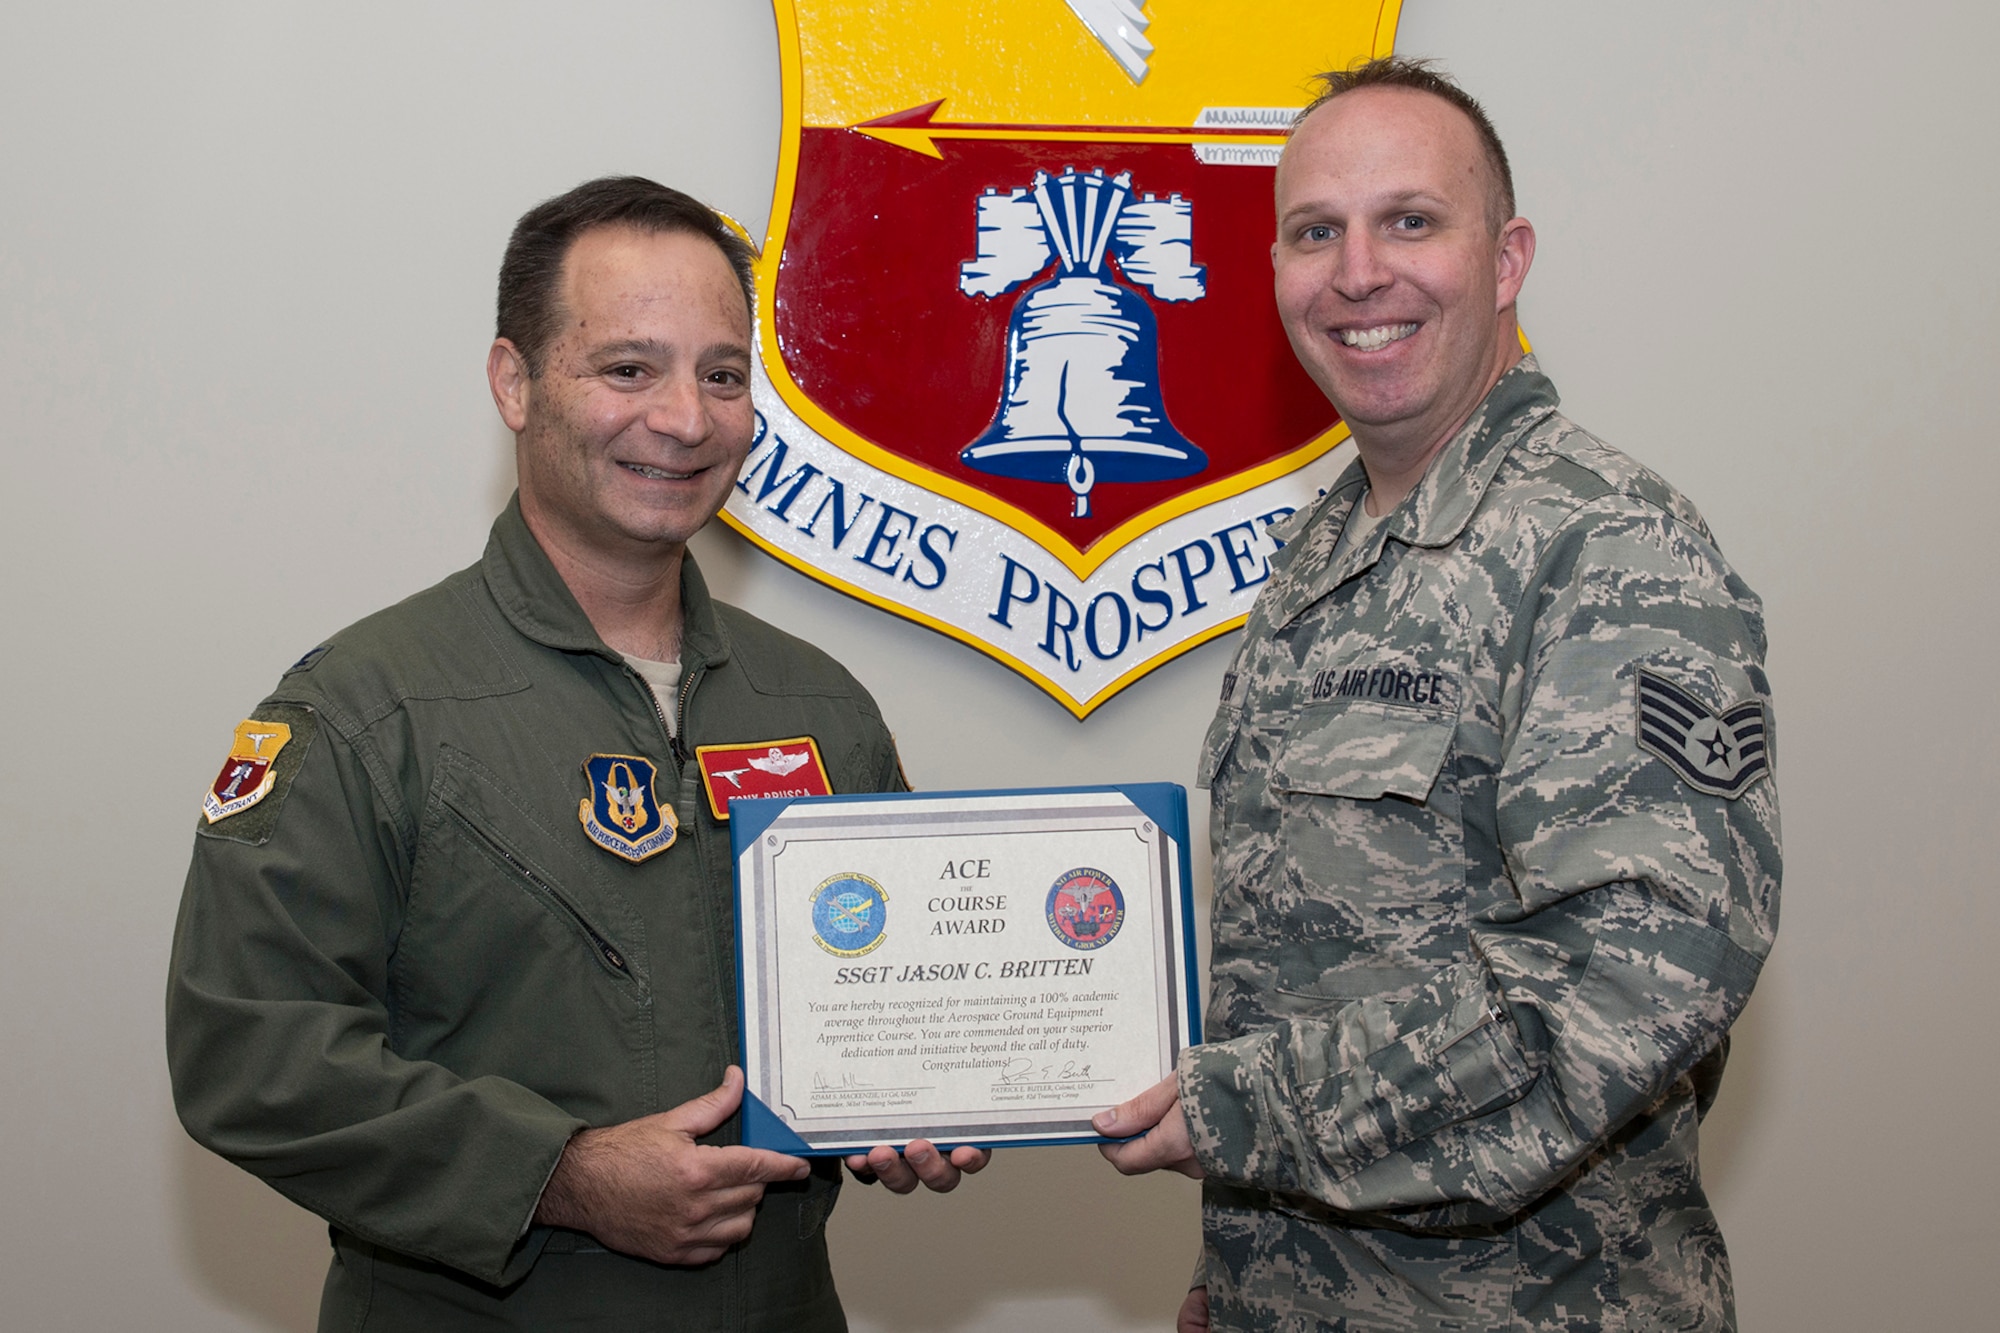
x=761, y=768
x=1389, y=683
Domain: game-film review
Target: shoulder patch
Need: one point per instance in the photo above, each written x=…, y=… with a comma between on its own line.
x=266, y=754
x=1718, y=753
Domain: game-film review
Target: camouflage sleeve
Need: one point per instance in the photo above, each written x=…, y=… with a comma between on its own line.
x=279, y=1003
x=1637, y=902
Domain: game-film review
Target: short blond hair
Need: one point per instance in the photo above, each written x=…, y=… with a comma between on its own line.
x=1420, y=76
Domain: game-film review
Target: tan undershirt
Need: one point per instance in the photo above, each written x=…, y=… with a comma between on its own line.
x=1360, y=523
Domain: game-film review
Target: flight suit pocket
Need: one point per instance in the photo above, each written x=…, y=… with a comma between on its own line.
x=468, y=795
x=511, y=960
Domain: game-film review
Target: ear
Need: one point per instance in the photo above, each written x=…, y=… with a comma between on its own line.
x=507, y=376
x=1515, y=254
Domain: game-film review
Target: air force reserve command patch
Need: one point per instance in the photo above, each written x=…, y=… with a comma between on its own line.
x=1718, y=753
x=622, y=814
x=762, y=768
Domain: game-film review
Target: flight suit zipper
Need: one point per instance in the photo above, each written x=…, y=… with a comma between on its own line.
x=675, y=745
x=680, y=714
x=606, y=950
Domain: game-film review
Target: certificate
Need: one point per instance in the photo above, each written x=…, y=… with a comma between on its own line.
x=989, y=968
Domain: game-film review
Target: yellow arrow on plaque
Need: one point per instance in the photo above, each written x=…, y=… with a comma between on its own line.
x=918, y=130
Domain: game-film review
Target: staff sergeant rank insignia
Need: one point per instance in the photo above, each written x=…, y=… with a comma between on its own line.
x=622, y=815
x=1718, y=753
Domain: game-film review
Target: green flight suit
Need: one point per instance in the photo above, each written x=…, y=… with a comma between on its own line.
x=406, y=977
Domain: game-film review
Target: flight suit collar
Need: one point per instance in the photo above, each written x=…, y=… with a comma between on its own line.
x=536, y=601
x=1432, y=515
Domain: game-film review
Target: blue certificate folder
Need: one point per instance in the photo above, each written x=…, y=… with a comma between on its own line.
x=980, y=967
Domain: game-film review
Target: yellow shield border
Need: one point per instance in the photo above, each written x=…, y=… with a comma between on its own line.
x=1081, y=563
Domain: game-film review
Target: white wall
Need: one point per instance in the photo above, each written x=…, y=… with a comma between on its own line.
x=246, y=259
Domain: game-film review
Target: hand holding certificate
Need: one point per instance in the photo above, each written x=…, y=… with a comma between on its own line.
x=987, y=968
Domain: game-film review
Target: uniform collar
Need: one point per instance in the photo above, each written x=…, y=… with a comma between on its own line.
x=536, y=601
x=1434, y=514
x=1437, y=511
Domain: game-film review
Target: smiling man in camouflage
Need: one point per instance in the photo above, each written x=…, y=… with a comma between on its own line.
x=1496, y=841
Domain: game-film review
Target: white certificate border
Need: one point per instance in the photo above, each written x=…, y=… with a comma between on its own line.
x=926, y=814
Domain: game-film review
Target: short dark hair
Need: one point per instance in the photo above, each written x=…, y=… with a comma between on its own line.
x=531, y=271
x=1419, y=76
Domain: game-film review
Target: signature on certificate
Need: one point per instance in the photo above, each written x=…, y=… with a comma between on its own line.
x=1023, y=1070
x=821, y=1083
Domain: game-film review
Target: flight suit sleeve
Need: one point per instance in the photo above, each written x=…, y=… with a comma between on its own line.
x=279, y=1010
x=889, y=775
x=884, y=762
x=1644, y=901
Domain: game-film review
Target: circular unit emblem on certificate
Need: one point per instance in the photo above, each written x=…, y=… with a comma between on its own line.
x=848, y=914
x=1085, y=908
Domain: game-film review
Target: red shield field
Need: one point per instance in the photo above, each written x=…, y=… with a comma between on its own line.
x=1019, y=373
x=876, y=331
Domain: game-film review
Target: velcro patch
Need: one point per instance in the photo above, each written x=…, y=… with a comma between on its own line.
x=763, y=768
x=1718, y=753
x=263, y=759
x=623, y=814
x=248, y=774
x=1389, y=683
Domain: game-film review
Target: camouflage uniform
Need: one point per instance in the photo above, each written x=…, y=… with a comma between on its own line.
x=1496, y=865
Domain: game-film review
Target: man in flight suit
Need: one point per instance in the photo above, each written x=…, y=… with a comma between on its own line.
x=1496, y=843
x=454, y=967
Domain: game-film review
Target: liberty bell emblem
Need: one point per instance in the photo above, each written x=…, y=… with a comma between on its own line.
x=1081, y=401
